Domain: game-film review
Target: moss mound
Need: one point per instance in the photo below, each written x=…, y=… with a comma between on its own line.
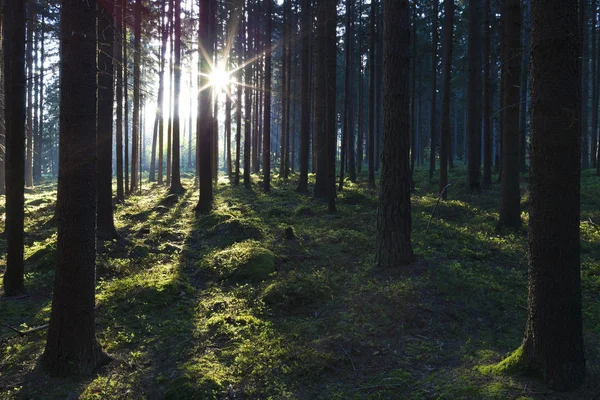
x=235, y=231
x=187, y=387
x=244, y=262
x=298, y=289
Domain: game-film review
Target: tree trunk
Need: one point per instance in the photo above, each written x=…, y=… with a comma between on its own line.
x=595, y=72
x=267, y=98
x=72, y=348
x=176, y=187
x=393, y=211
x=206, y=38
x=126, y=97
x=37, y=142
x=446, y=128
x=486, y=183
x=118, y=51
x=585, y=71
x=305, y=97
x=330, y=59
x=433, y=129
x=2, y=113
x=474, y=98
x=15, y=86
x=553, y=343
x=371, y=138
x=104, y=218
x=413, y=103
x=510, y=195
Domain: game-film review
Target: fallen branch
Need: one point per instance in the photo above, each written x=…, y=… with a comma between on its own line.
x=28, y=331
x=436, y=205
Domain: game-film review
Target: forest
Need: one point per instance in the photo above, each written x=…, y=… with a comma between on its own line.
x=299, y=199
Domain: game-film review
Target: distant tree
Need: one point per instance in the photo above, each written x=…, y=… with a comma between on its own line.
x=486, y=183
x=371, y=134
x=206, y=40
x=31, y=15
x=105, y=224
x=137, y=63
x=118, y=64
x=176, y=187
x=267, y=98
x=72, y=348
x=510, y=195
x=393, y=212
x=474, y=97
x=305, y=97
x=553, y=342
x=445, y=131
x=434, y=60
x=15, y=85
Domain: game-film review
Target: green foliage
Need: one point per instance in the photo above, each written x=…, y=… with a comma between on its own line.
x=246, y=261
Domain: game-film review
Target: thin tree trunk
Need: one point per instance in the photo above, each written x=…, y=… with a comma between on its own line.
x=446, y=128
x=474, y=98
x=305, y=97
x=486, y=183
x=118, y=51
x=371, y=138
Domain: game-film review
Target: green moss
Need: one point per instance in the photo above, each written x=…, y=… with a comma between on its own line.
x=188, y=387
x=242, y=262
x=298, y=289
x=511, y=365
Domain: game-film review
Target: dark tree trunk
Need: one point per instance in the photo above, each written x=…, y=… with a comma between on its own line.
x=37, y=140
x=247, y=104
x=284, y=84
x=305, y=97
x=176, y=187
x=434, y=61
x=206, y=37
x=30, y=106
x=413, y=103
x=474, y=97
x=446, y=127
x=137, y=60
x=171, y=99
x=330, y=59
x=393, y=211
x=267, y=98
x=105, y=224
x=119, y=44
x=15, y=85
x=510, y=195
x=585, y=71
x=595, y=72
x=72, y=348
x=553, y=343
x=126, y=97
x=371, y=137
x=240, y=100
x=524, y=90
x=161, y=95
x=360, y=134
x=348, y=126
x=486, y=183
x=2, y=114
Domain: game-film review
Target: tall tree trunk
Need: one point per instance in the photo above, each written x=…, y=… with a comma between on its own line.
x=126, y=96
x=137, y=57
x=248, y=102
x=434, y=61
x=486, y=183
x=118, y=51
x=348, y=130
x=2, y=113
x=474, y=97
x=238, y=111
x=415, y=97
x=585, y=71
x=305, y=96
x=72, y=348
x=206, y=38
x=171, y=97
x=267, y=97
x=595, y=72
x=510, y=195
x=284, y=84
x=371, y=138
x=330, y=131
x=446, y=128
x=105, y=225
x=15, y=86
x=176, y=187
x=393, y=211
x=37, y=143
x=553, y=342
x=30, y=84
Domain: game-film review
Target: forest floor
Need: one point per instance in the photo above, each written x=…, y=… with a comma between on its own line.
x=268, y=296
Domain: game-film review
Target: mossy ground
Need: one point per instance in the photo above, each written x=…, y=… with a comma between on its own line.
x=318, y=321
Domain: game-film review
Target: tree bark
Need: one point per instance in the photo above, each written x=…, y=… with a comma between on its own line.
x=105, y=224
x=433, y=128
x=72, y=348
x=486, y=183
x=15, y=86
x=305, y=97
x=510, y=194
x=371, y=137
x=176, y=187
x=118, y=51
x=446, y=128
x=474, y=98
x=393, y=211
x=553, y=343
x=267, y=98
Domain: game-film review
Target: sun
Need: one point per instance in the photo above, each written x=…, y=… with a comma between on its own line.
x=220, y=78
